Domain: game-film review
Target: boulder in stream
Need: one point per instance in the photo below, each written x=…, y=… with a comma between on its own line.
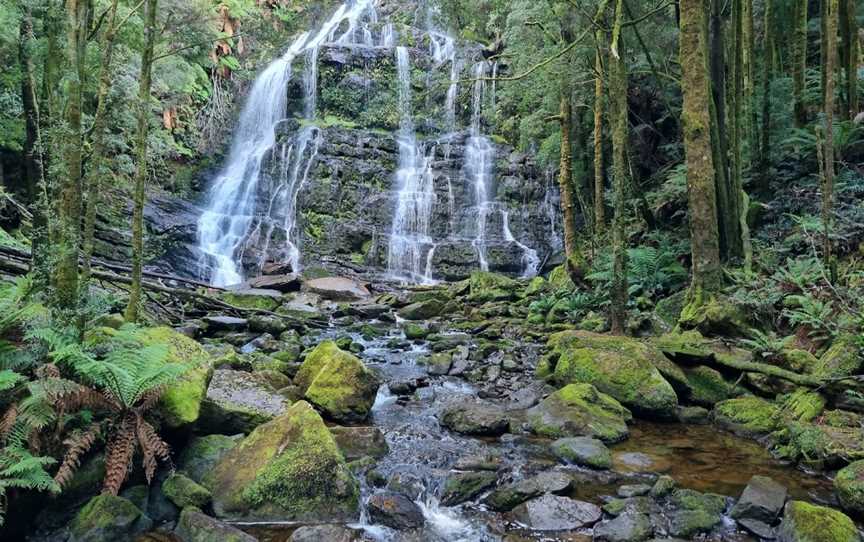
x=476, y=418
x=465, y=486
x=195, y=526
x=627, y=527
x=583, y=451
x=238, y=402
x=554, y=513
x=509, y=496
x=338, y=289
x=288, y=469
x=762, y=500
x=579, y=410
x=849, y=485
x=395, y=511
x=805, y=522
x=107, y=517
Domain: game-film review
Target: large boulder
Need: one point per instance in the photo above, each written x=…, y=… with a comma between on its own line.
x=338, y=289
x=253, y=298
x=475, y=419
x=805, y=522
x=357, y=442
x=281, y=283
x=714, y=315
x=338, y=383
x=290, y=468
x=484, y=286
x=421, y=310
x=465, y=486
x=583, y=451
x=579, y=410
x=511, y=495
x=627, y=527
x=748, y=416
x=762, y=500
x=195, y=526
x=849, y=485
x=554, y=513
x=180, y=404
x=106, y=517
x=618, y=366
x=183, y=491
x=395, y=511
x=238, y=402
x=201, y=454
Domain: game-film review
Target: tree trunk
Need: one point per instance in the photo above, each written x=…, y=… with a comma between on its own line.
x=33, y=153
x=618, y=107
x=68, y=200
x=701, y=191
x=565, y=178
x=828, y=111
x=132, y=308
x=599, y=205
x=849, y=32
x=799, y=61
x=98, y=169
x=748, y=109
x=767, y=76
x=740, y=248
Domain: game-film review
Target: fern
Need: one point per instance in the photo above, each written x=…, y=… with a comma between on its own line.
x=19, y=469
x=817, y=315
x=650, y=270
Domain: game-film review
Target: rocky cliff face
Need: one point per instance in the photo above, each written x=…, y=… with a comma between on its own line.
x=347, y=189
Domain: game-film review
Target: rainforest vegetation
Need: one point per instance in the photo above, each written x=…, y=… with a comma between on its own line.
x=446, y=270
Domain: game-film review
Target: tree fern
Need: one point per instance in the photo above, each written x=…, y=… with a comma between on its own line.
x=19, y=469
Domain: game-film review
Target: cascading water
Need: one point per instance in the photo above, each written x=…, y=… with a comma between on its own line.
x=232, y=218
x=409, y=237
x=479, y=164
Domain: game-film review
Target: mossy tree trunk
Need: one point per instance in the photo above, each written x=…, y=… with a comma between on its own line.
x=767, y=77
x=65, y=244
x=741, y=248
x=831, y=13
x=849, y=33
x=748, y=109
x=599, y=204
x=98, y=171
x=565, y=178
x=799, y=61
x=618, y=109
x=132, y=309
x=701, y=192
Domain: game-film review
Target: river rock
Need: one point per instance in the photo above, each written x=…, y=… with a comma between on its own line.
x=554, y=513
x=253, y=298
x=337, y=383
x=395, y=511
x=633, y=490
x=484, y=286
x=849, y=485
x=326, y=533
x=465, y=486
x=225, y=323
x=579, y=410
x=627, y=527
x=421, y=310
x=805, y=522
x=194, y=526
x=183, y=491
x=617, y=366
x=106, y=517
x=238, y=402
x=415, y=332
x=507, y=497
x=438, y=364
x=687, y=523
x=338, y=289
x=201, y=454
x=280, y=283
x=288, y=469
x=762, y=500
x=584, y=451
x=264, y=323
x=357, y=442
x=475, y=419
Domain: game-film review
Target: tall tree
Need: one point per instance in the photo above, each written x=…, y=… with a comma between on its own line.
x=799, y=60
x=599, y=204
x=696, y=117
x=767, y=77
x=618, y=107
x=132, y=309
x=831, y=14
x=68, y=200
x=849, y=33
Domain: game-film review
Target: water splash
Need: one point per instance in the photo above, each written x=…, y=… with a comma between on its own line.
x=232, y=218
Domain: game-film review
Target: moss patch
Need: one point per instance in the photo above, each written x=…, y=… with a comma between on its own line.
x=805, y=522
x=577, y=410
x=849, y=484
x=750, y=416
x=338, y=383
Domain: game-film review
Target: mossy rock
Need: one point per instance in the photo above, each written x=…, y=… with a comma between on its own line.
x=805, y=522
x=485, y=286
x=843, y=358
x=106, y=517
x=180, y=404
x=799, y=361
x=287, y=469
x=338, y=383
x=201, y=454
x=618, y=366
x=849, y=485
x=803, y=405
x=422, y=310
x=669, y=308
x=559, y=279
x=536, y=286
x=748, y=416
x=818, y=445
x=465, y=486
x=238, y=402
x=714, y=315
x=184, y=491
x=195, y=526
x=415, y=331
x=707, y=386
x=253, y=298
x=579, y=410
x=685, y=346
x=689, y=499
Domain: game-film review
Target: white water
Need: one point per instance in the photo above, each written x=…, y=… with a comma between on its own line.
x=530, y=259
x=479, y=164
x=232, y=217
x=409, y=251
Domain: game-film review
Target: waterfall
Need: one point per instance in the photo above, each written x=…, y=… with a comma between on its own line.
x=530, y=259
x=479, y=164
x=409, y=236
x=232, y=217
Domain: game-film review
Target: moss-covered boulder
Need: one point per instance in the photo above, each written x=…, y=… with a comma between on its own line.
x=843, y=358
x=181, y=402
x=194, y=526
x=201, y=454
x=618, y=366
x=559, y=279
x=484, y=286
x=579, y=410
x=338, y=383
x=748, y=416
x=849, y=485
x=669, y=308
x=421, y=310
x=253, y=298
x=183, y=491
x=684, y=346
x=820, y=445
x=805, y=522
x=465, y=486
x=106, y=517
x=415, y=332
x=707, y=386
x=238, y=402
x=583, y=451
x=714, y=315
x=288, y=469
x=803, y=405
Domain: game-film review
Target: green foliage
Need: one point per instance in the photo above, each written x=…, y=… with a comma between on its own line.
x=764, y=345
x=819, y=316
x=19, y=469
x=651, y=271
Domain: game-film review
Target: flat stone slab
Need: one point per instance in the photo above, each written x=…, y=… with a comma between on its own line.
x=238, y=402
x=281, y=283
x=225, y=323
x=762, y=500
x=554, y=513
x=338, y=289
